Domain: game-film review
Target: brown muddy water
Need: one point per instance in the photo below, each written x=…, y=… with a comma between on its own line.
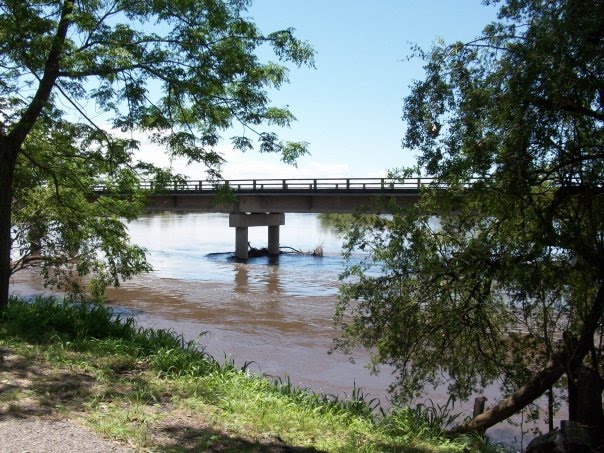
x=276, y=314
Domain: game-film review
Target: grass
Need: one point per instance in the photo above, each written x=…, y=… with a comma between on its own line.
x=152, y=390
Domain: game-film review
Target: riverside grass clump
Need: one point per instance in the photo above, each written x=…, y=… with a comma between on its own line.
x=155, y=391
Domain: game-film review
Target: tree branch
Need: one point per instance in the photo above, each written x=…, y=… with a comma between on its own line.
x=569, y=107
x=543, y=380
x=51, y=72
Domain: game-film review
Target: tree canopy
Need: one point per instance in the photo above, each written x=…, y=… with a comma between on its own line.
x=497, y=275
x=81, y=79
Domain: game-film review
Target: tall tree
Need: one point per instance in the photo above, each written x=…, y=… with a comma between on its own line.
x=77, y=76
x=506, y=284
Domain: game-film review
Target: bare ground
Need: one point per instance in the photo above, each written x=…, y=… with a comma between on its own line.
x=43, y=409
x=35, y=406
x=20, y=435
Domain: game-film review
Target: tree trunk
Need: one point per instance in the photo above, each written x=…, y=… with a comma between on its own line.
x=7, y=170
x=569, y=359
x=515, y=402
x=10, y=144
x=585, y=397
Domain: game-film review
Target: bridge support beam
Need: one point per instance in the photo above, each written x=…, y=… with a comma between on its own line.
x=241, y=222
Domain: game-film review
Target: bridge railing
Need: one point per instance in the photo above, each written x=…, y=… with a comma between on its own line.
x=288, y=185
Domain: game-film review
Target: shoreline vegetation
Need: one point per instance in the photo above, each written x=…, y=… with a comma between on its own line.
x=153, y=391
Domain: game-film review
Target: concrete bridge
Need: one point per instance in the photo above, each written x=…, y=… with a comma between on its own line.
x=264, y=202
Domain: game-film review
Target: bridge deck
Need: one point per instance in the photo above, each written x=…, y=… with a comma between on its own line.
x=256, y=186
x=339, y=195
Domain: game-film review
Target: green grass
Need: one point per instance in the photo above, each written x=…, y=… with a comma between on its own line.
x=153, y=390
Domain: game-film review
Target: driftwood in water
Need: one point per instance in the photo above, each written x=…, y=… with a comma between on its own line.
x=293, y=250
x=318, y=251
x=254, y=252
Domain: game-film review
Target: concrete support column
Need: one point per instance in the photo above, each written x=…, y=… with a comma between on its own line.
x=241, y=222
x=273, y=240
x=241, y=243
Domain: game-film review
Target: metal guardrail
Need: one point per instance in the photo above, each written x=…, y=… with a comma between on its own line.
x=377, y=185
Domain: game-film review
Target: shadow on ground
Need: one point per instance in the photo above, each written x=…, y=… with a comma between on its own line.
x=30, y=390
x=183, y=438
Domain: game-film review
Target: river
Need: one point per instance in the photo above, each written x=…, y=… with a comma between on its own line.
x=274, y=314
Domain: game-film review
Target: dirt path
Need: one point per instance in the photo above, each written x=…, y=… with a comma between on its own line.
x=29, y=395
x=18, y=435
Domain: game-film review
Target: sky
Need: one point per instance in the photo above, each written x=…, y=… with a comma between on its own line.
x=349, y=107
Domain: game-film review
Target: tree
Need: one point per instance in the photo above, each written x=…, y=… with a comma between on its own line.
x=497, y=274
x=80, y=78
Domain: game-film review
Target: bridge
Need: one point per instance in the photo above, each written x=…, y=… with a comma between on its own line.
x=341, y=195
x=264, y=202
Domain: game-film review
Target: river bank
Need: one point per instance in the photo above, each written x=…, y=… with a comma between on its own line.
x=149, y=390
x=226, y=331
x=276, y=317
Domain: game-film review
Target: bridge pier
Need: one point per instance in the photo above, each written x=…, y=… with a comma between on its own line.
x=241, y=222
x=273, y=239
x=241, y=242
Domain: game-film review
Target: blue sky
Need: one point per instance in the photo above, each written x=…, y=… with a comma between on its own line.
x=349, y=108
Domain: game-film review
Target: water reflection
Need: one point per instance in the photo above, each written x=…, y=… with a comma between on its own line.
x=272, y=281
x=241, y=279
x=263, y=278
